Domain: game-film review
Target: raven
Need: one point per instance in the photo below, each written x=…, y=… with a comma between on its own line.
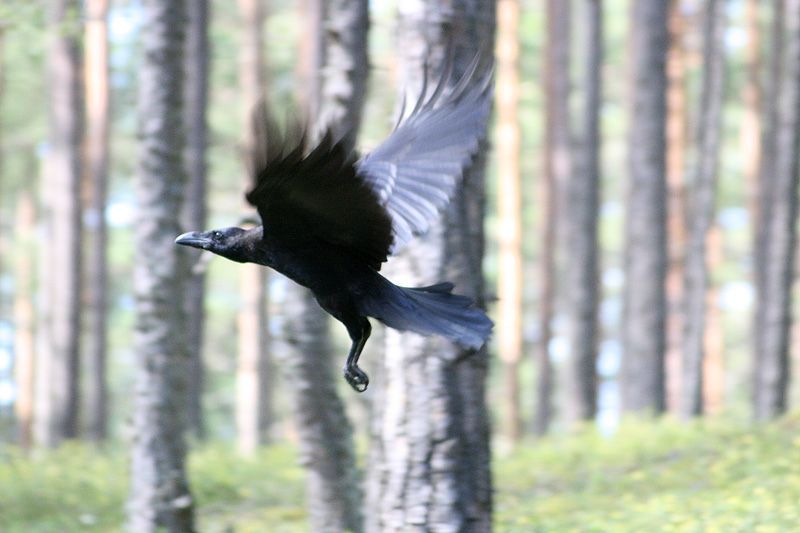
x=329, y=218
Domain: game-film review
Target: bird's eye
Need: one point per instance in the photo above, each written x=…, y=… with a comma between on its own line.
x=217, y=234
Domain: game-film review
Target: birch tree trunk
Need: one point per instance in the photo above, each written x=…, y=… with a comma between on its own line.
x=194, y=213
x=253, y=403
x=774, y=298
x=431, y=447
x=701, y=206
x=769, y=142
x=584, y=192
x=57, y=416
x=643, y=334
x=326, y=442
x=556, y=173
x=159, y=493
x=97, y=125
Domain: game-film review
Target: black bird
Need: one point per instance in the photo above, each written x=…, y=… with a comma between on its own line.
x=329, y=219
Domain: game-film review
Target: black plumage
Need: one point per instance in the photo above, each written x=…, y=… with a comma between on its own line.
x=329, y=218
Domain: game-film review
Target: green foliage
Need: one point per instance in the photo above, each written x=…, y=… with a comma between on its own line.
x=664, y=476
x=78, y=487
x=656, y=476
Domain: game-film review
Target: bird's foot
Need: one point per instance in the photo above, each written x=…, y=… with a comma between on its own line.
x=356, y=377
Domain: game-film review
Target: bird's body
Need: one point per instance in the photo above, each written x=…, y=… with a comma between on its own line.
x=330, y=219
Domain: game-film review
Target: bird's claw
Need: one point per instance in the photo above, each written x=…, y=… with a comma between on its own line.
x=356, y=377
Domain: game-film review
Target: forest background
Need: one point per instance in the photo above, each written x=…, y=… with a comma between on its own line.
x=641, y=202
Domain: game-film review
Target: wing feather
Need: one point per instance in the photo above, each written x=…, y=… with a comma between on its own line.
x=414, y=172
x=312, y=194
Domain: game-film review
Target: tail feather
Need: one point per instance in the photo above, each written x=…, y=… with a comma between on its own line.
x=431, y=310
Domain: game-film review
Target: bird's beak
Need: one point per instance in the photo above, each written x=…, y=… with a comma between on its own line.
x=195, y=239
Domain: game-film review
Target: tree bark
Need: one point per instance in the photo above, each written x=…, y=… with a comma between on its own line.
x=677, y=135
x=195, y=212
x=327, y=449
x=714, y=337
x=556, y=173
x=59, y=376
x=24, y=317
x=253, y=402
x=702, y=206
x=769, y=142
x=774, y=298
x=643, y=334
x=159, y=493
x=509, y=282
x=97, y=148
x=344, y=75
x=584, y=195
x=750, y=136
x=431, y=448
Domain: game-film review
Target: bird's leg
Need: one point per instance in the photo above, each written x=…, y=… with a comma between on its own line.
x=356, y=377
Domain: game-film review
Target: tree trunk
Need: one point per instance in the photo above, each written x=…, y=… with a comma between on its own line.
x=327, y=449
x=509, y=282
x=769, y=142
x=159, y=493
x=643, y=333
x=194, y=213
x=556, y=172
x=774, y=298
x=344, y=76
x=583, y=250
x=714, y=338
x=24, y=347
x=253, y=403
x=677, y=133
x=750, y=136
x=59, y=378
x=97, y=125
x=701, y=206
x=3, y=254
x=431, y=449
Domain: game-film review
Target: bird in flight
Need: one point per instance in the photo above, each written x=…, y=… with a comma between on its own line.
x=330, y=218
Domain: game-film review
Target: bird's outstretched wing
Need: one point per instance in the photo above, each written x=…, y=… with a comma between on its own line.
x=313, y=195
x=414, y=172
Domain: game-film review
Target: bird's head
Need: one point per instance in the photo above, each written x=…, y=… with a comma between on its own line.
x=227, y=242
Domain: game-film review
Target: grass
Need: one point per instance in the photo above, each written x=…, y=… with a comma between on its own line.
x=653, y=476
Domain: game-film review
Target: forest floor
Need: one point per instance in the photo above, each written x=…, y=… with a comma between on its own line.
x=650, y=476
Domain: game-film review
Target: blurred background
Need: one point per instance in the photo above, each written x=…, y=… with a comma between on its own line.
x=640, y=203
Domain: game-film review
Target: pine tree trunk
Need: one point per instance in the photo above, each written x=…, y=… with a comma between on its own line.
x=714, y=338
x=750, y=137
x=59, y=376
x=97, y=125
x=509, y=283
x=194, y=213
x=253, y=403
x=556, y=173
x=24, y=347
x=159, y=493
x=327, y=450
x=643, y=334
x=677, y=135
x=584, y=194
x=701, y=207
x=430, y=453
x=774, y=298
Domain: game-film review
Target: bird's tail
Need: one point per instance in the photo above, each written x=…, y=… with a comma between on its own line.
x=428, y=311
